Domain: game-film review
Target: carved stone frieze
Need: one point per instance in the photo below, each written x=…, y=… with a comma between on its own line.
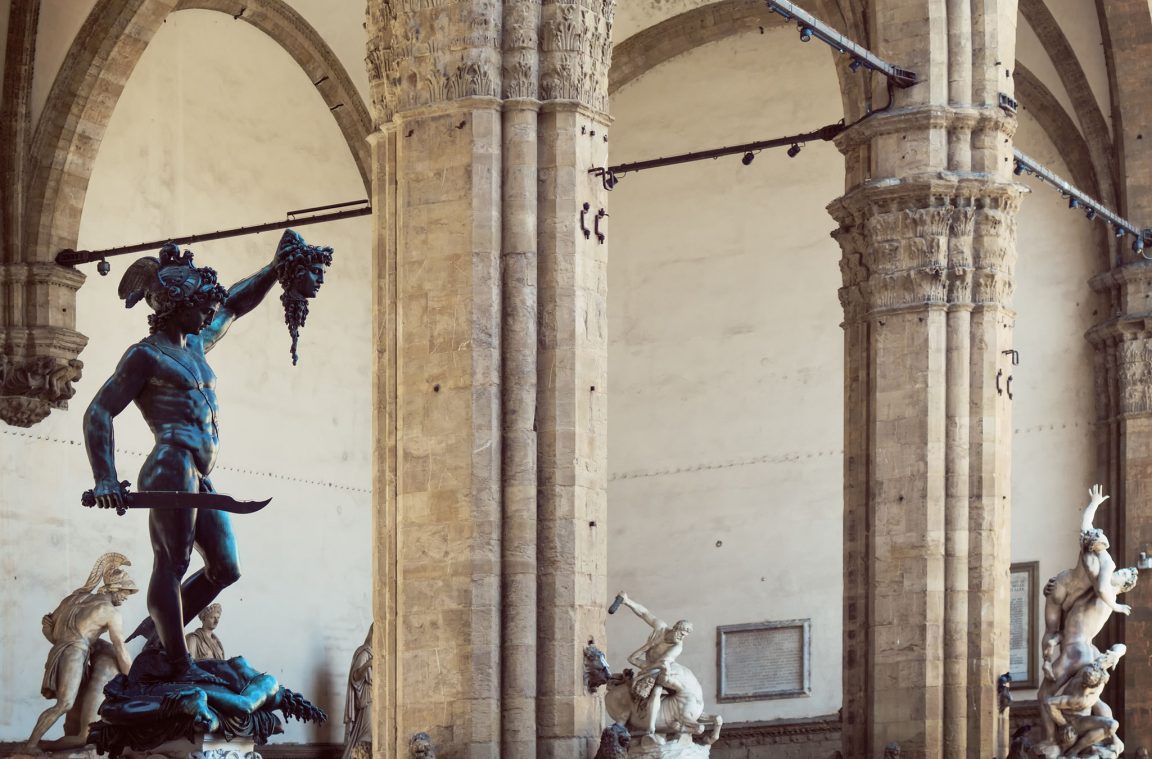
x=913, y=244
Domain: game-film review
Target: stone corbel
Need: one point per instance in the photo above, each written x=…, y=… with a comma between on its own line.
x=38, y=343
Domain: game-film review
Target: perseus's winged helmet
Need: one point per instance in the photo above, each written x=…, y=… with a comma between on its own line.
x=169, y=282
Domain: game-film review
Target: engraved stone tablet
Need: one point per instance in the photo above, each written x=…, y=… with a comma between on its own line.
x=764, y=660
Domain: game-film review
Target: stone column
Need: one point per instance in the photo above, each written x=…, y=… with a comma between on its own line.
x=435, y=71
x=1124, y=364
x=927, y=229
x=38, y=340
x=927, y=462
x=490, y=400
x=572, y=401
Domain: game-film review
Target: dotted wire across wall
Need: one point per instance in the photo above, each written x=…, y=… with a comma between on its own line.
x=141, y=454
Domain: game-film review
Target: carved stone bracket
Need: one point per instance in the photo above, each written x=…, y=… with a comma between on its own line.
x=1123, y=342
x=31, y=388
x=924, y=242
x=38, y=342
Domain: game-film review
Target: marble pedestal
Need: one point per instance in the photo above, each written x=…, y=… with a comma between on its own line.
x=681, y=747
x=206, y=747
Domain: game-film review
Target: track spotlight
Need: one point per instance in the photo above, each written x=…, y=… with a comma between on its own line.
x=103, y=267
x=794, y=150
x=1018, y=169
x=1119, y=232
x=1091, y=214
x=805, y=33
x=1138, y=246
x=748, y=158
x=855, y=64
x=1073, y=203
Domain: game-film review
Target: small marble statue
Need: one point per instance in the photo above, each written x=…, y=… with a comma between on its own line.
x=358, y=707
x=1078, y=602
x=300, y=271
x=80, y=664
x=202, y=642
x=663, y=699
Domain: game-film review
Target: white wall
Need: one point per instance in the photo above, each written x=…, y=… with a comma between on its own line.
x=1053, y=412
x=725, y=359
x=217, y=127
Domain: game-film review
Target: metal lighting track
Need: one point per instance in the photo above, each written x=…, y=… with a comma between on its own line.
x=71, y=257
x=611, y=174
x=810, y=27
x=1079, y=199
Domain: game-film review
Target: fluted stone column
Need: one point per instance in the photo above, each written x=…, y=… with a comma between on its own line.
x=490, y=409
x=927, y=230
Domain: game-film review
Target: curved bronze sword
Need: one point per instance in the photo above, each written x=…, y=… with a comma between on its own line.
x=175, y=499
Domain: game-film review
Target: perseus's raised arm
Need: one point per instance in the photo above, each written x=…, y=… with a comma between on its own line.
x=243, y=296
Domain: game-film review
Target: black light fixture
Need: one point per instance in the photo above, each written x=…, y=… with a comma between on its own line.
x=1091, y=214
x=1073, y=203
x=1119, y=231
x=103, y=267
x=805, y=33
x=855, y=64
x=794, y=150
x=748, y=158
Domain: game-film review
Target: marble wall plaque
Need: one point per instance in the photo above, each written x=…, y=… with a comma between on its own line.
x=1022, y=616
x=764, y=660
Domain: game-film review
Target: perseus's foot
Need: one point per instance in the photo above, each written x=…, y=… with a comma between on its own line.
x=187, y=671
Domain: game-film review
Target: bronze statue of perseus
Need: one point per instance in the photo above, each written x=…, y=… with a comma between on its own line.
x=167, y=376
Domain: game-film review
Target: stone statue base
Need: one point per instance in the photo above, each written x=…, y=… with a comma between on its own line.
x=204, y=747
x=146, y=715
x=680, y=747
x=17, y=751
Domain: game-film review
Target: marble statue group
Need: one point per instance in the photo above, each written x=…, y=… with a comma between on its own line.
x=1075, y=722
x=661, y=701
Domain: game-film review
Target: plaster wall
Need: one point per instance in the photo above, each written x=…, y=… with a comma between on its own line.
x=1053, y=411
x=725, y=360
x=216, y=128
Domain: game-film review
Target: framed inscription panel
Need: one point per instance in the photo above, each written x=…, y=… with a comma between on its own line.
x=764, y=660
x=1024, y=633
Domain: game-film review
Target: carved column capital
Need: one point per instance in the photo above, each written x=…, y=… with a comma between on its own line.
x=930, y=241
x=424, y=52
x=576, y=51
